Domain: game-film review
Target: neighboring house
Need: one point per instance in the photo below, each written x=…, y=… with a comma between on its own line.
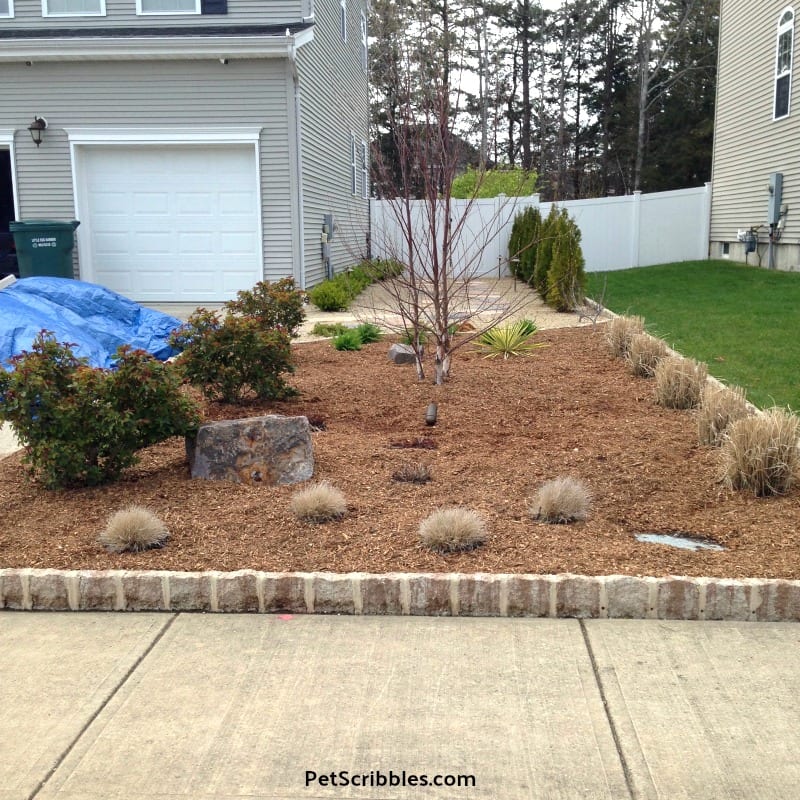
x=201, y=143
x=756, y=168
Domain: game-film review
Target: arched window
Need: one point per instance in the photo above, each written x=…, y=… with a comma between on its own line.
x=783, y=63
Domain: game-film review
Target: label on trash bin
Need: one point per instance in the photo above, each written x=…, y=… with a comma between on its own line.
x=43, y=241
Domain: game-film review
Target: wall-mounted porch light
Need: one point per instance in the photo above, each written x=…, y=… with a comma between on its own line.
x=36, y=129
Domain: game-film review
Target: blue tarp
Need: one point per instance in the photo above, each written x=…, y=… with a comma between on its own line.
x=91, y=318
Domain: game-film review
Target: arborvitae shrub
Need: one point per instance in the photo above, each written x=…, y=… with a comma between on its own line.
x=524, y=242
x=566, y=277
x=548, y=233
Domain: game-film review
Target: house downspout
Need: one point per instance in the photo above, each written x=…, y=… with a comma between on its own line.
x=298, y=165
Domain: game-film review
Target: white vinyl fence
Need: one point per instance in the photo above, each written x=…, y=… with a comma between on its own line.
x=616, y=232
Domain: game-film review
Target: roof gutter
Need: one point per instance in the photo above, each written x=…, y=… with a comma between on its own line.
x=155, y=47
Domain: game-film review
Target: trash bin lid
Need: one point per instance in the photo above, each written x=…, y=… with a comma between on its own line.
x=42, y=223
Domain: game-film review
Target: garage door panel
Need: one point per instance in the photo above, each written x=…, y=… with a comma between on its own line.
x=196, y=204
x=196, y=244
x=174, y=217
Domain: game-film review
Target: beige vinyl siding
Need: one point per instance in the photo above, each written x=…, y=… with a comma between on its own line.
x=334, y=104
x=28, y=14
x=172, y=94
x=748, y=143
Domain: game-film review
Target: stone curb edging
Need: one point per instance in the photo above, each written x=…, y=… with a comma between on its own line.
x=428, y=594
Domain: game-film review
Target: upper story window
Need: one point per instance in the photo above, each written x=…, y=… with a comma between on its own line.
x=343, y=19
x=167, y=6
x=73, y=8
x=364, y=45
x=6, y=8
x=783, y=64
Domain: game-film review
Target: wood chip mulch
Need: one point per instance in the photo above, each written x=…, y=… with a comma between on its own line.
x=504, y=427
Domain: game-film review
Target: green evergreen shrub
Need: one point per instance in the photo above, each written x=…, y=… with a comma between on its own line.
x=566, y=277
x=330, y=296
x=368, y=333
x=548, y=233
x=328, y=329
x=82, y=426
x=349, y=340
x=234, y=358
x=274, y=305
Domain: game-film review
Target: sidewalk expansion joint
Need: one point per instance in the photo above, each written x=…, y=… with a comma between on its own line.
x=89, y=722
x=609, y=718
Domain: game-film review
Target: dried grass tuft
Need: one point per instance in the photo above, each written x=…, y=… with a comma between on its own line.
x=452, y=530
x=679, y=382
x=644, y=352
x=133, y=529
x=319, y=502
x=620, y=331
x=561, y=501
x=759, y=453
x=719, y=407
x=413, y=473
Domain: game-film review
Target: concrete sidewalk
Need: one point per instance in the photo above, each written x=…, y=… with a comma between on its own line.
x=140, y=706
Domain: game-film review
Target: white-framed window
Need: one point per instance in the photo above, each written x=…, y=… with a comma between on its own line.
x=6, y=8
x=73, y=8
x=343, y=19
x=364, y=169
x=783, y=64
x=364, y=42
x=353, y=164
x=167, y=7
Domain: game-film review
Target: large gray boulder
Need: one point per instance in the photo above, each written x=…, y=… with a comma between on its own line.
x=402, y=354
x=272, y=450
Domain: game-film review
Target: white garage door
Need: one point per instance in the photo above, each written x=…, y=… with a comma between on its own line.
x=170, y=223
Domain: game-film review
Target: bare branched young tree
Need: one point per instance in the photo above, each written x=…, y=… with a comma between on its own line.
x=432, y=235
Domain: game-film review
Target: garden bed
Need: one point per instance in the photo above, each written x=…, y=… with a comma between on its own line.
x=504, y=427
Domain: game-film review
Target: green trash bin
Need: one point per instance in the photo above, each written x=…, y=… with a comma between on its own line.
x=44, y=247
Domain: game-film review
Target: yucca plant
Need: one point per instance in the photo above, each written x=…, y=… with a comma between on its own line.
x=513, y=339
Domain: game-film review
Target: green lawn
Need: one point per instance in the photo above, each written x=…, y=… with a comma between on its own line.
x=744, y=322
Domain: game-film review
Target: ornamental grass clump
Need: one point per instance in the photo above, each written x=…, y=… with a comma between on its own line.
x=412, y=473
x=679, y=382
x=619, y=333
x=132, y=530
x=643, y=354
x=319, y=502
x=759, y=453
x=452, y=530
x=561, y=501
x=719, y=407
